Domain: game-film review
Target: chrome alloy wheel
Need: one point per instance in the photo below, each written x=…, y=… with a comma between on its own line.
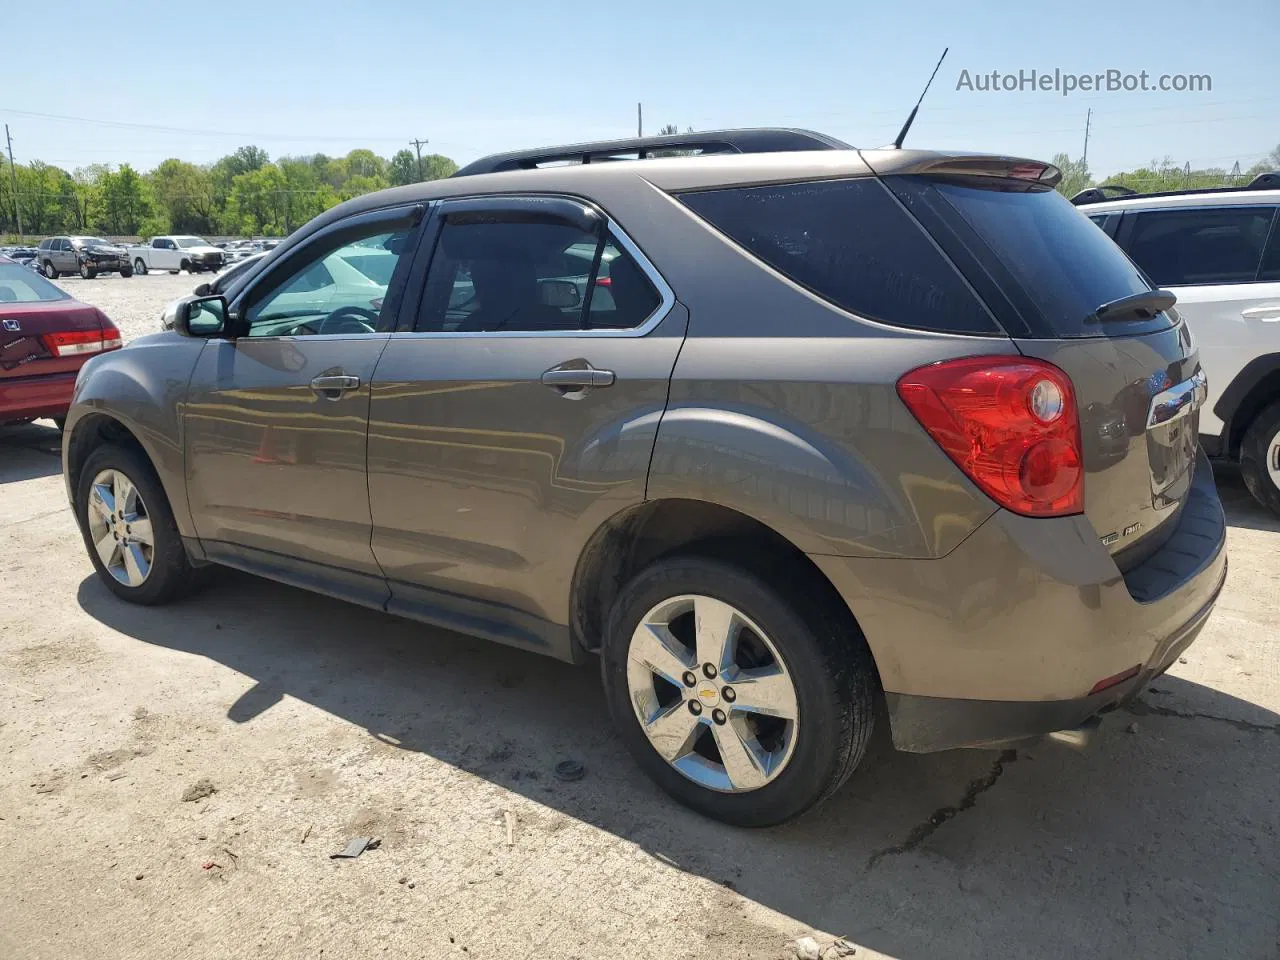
x=712, y=694
x=1273, y=459
x=120, y=528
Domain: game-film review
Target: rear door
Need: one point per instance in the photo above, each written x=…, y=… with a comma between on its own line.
x=1211, y=257
x=276, y=417
x=1044, y=270
x=513, y=414
x=64, y=256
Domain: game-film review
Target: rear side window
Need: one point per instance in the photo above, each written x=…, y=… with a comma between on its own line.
x=491, y=276
x=1271, y=258
x=851, y=243
x=1188, y=247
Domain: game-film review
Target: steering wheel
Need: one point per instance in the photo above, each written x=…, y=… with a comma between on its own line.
x=349, y=320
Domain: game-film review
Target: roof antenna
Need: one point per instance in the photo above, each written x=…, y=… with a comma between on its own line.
x=902, y=134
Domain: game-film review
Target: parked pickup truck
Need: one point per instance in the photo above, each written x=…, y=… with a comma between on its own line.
x=193, y=254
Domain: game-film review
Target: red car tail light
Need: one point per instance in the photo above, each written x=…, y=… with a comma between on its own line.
x=1010, y=423
x=69, y=343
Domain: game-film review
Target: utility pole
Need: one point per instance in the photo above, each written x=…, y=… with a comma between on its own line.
x=417, y=145
x=1084, y=159
x=13, y=172
x=639, y=120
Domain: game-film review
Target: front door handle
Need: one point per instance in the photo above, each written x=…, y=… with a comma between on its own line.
x=1268, y=314
x=333, y=386
x=577, y=378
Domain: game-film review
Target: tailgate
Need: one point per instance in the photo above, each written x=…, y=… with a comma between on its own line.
x=1139, y=427
x=1045, y=270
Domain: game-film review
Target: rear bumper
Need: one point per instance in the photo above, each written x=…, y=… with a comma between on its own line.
x=23, y=398
x=1005, y=637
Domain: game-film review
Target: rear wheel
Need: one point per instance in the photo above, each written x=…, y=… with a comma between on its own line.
x=140, y=267
x=129, y=529
x=735, y=702
x=49, y=271
x=1260, y=457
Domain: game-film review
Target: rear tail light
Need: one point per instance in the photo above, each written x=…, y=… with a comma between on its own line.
x=69, y=343
x=1010, y=423
x=604, y=281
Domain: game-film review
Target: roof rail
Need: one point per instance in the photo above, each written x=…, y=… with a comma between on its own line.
x=1098, y=194
x=1263, y=181
x=749, y=140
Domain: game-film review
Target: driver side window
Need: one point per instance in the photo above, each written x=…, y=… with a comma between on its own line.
x=331, y=289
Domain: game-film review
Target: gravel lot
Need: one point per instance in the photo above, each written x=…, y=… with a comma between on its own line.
x=134, y=303
x=316, y=722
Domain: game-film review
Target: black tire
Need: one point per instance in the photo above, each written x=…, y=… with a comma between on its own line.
x=49, y=271
x=87, y=272
x=174, y=272
x=832, y=671
x=1257, y=444
x=126, y=272
x=186, y=265
x=171, y=576
x=140, y=267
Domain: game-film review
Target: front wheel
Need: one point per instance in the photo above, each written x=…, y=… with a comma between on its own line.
x=735, y=701
x=140, y=267
x=129, y=529
x=126, y=272
x=1260, y=457
x=185, y=265
x=87, y=272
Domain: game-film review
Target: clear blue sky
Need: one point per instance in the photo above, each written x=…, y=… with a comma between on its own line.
x=475, y=77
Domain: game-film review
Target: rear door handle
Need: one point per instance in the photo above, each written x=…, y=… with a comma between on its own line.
x=1265, y=314
x=577, y=378
x=332, y=386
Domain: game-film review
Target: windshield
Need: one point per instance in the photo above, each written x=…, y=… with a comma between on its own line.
x=91, y=242
x=186, y=242
x=20, y=285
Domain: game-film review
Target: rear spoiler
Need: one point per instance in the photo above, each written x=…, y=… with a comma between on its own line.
x=923, y=163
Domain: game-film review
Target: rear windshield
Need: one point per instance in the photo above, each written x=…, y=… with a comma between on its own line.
x=1063, y=266
x=851, y=243
x=18, y=284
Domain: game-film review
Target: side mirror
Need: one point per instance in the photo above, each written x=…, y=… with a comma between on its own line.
x=203, y=290
x=560, y=293
x=197, y=316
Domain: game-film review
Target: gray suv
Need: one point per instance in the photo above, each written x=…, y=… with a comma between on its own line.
x=841, y=435
x=87, y=256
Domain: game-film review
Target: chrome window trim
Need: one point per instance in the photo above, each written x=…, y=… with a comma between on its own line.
x=650, y=323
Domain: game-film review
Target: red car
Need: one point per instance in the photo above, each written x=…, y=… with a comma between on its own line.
x=45, y=338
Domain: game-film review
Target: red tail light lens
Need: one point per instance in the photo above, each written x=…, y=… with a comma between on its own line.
x=1010, y=423
x=604, y=281
x=69, y=343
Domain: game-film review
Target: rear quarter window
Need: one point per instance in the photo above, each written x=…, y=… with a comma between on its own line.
x=851, y=243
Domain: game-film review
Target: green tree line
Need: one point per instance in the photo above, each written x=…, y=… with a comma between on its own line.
x=243, y=193
x=1160, y=175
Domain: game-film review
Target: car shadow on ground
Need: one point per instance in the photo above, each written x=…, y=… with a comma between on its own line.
x=29, y=451
x=1242, y=509
x=1159, y=839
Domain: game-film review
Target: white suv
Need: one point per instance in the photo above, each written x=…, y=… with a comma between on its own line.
x=1219, y=251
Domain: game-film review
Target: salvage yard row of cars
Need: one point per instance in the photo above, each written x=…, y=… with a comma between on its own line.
x=826, y=426
x=93, y=256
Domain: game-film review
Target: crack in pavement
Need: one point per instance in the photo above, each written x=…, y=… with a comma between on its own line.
x=920, y=833
x=1141, y=708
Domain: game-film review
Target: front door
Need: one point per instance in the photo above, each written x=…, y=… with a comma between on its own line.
x=276, y=418
x=518, y=414
x=1213, y=260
